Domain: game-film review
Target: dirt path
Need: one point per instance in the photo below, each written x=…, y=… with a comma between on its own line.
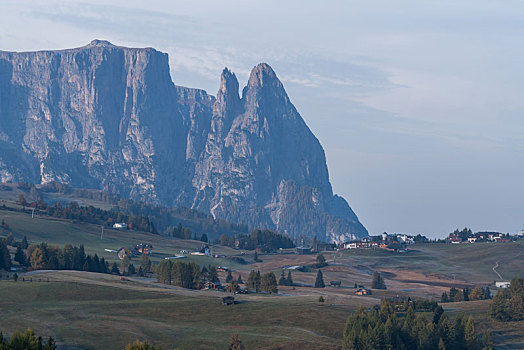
x=495, y=270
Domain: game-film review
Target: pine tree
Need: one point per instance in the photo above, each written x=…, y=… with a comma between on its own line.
x=236, y=344
x=444, y=298
x=212, y=274
x=282, y=281
x=470, y=335
x=20, y=256
x=50, y=345
x=25, y=244
x=256, y=256
x=239, y=279
x=289, y=278
x=229, y=277
x=377, y=281
x=319, y=282
x=487, y=343
x=321, y=261
x=5, y=256
x=114, y=269
x=131, y=270
x=437, y=314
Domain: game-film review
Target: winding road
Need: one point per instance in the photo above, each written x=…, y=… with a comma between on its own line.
x=494, y=270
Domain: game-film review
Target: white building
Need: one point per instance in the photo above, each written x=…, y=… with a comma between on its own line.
x=502, y=284
x=120, y=225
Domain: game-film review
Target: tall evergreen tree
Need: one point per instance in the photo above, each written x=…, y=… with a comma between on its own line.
x=289, y=278
x=319, y=282
x=114, y=269
x=5, y=257
x=377, y=282
x=20, y=256
x=229, y=277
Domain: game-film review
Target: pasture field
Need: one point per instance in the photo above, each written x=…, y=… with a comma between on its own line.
x=85, y=310
x=85, y=313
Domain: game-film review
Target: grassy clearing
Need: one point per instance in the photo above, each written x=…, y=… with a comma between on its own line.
x=94, y=317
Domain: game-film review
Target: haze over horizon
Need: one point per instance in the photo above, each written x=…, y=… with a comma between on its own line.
x=417, y=106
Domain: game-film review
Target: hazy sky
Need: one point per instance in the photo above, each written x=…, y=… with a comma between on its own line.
x=418, y=104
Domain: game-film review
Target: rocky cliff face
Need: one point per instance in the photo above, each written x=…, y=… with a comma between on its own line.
x=104, y=116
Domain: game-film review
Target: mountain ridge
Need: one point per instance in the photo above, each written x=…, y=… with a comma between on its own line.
x=111, y=117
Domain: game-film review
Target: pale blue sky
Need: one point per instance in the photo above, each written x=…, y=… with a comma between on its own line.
x=418, y=104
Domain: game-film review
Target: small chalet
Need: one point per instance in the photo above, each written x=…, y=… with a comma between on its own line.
x=229, y=300
x=120, y=226
x=214, y=285
x=363, y=291
x=335, y=283
x=303, y=250
x=222, y=269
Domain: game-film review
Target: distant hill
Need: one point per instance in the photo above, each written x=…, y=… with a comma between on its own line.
x=109, y=117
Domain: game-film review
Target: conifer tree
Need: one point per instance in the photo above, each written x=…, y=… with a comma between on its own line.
x=236, y=344
x=319, y=282
x=5, y=256
x=487, y=343
x=377, y=281
x=20, y=256
x=25, y=244
x=229, y=277
x=282, y=281
x=470, y=335
x=289, y=278
x=114, y=269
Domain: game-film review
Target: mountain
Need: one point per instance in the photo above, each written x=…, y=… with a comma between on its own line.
x=110, y=117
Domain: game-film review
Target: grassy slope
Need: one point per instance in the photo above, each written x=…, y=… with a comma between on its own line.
x=93, y=316
x=469, y=262
x=60, y=232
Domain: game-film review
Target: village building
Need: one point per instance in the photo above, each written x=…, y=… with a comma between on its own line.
x=229, y=300
x=502, y=284
x=120, y=226
x=363, y=291
x=303, y=250
x=335, y=283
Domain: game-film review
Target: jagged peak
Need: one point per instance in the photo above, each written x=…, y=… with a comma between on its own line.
x=263, y=74
x=228, y=82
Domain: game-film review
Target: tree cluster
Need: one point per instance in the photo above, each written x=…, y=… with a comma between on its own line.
x=181, y=232
x=377, y=282
x=320, y=261
x=265, y=283
x=508, y=303
x=186, y=275
x=382, y=329
x=285, y=281
x=27, y=341
x=466, y=294
x=265, y=240
x=46, y=257
x=463, y=234
x=138, y=345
